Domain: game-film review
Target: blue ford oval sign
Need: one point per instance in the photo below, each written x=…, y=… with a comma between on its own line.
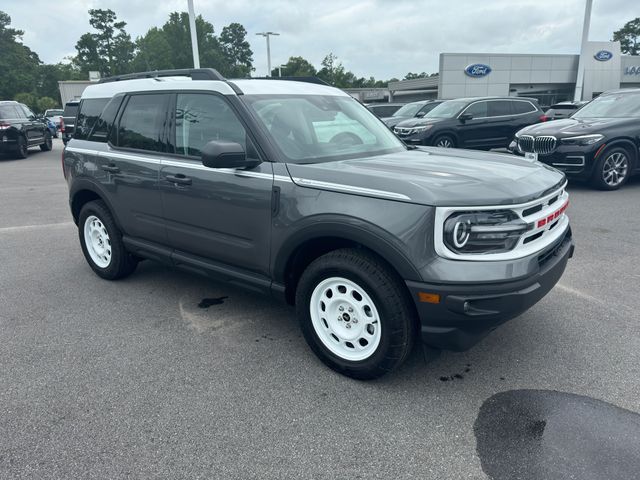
x=603, y=55
x=478, y=70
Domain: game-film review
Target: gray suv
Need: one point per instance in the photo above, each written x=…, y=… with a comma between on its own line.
x=297, y=191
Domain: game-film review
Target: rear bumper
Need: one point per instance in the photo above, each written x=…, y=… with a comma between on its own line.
x=467, y=312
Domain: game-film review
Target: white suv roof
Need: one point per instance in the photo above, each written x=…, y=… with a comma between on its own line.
x=152, y=81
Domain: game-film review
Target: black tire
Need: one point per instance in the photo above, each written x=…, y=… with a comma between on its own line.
x=398, y=325
x=21, y=148
x=48, y=143
x=444, y=141
x=121, y=262
x=603, y=181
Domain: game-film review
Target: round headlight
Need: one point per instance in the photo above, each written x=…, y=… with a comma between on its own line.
x=461, y=233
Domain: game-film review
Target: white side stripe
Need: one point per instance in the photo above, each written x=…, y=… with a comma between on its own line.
x=349, y=189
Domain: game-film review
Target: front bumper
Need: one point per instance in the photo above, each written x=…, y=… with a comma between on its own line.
x=467, y=312
x=576, y=162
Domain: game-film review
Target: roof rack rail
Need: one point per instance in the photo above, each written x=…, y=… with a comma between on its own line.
x=194, y=73
x=315, y=80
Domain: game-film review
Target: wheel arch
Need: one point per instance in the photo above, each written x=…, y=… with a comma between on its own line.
x=627, y=143
x=322, y=237
x=446, y=133
x=85, y=191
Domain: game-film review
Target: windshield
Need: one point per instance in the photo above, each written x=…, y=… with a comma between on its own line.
x=409, y=110
x=621, y=105
x=319, y=128
x=448, y=109
x=52, y=113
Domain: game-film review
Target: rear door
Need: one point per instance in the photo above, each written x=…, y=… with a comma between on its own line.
x=129, y=164
x=223, y=215
x=34, y=129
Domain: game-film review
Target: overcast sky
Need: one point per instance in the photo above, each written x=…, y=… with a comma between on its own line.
x=380, y=38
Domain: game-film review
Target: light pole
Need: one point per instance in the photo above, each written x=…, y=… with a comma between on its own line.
x=583, y=49
x=267, y=35
x=194, y=36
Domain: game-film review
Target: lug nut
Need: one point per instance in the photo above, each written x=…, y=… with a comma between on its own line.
x=348, y=325
x=341, y=308
x=350, y=310
x=354, y=320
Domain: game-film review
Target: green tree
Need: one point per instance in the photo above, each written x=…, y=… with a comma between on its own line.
x=177, y=35
x=152, y=52
x=45, y=103
x=236, y=50
x=629, y=37
x=29, y=99
x=18, y=64
x=50, y=75
x=296, y=67
x=110, y=50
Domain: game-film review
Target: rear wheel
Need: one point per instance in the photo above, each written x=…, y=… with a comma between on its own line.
x=612, y=170
x=355, y=314
x=101, y=242
x=444, y=141
x=48, y=143
x=21, y=148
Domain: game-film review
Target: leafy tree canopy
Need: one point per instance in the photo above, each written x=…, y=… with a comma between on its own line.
x=629, y=37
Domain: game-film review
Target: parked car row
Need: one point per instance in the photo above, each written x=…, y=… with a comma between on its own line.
x=597, y=141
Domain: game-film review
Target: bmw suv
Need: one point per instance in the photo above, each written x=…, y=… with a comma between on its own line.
x=482, y=123
x=600, y=142
x=297, y=191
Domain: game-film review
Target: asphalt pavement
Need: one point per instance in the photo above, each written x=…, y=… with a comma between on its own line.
x=140, y=378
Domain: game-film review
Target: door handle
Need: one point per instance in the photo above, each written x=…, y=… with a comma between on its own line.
x=110, y=168
x=179, y=179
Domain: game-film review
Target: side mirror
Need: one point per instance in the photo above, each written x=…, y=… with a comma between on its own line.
x=464, y=117
x=420, y=114
x=217, y=154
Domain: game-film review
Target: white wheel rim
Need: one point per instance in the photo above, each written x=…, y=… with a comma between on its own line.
x=345, y=319
x=97, y=241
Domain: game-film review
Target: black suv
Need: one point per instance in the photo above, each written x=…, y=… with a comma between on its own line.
x=599, y=143
x=411, y=110
x=481, y=123
x=297, y=191
x=21, y=129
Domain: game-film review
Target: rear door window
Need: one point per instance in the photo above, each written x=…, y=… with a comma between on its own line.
x=70, y=110
x=499, y=108
x=142, y=123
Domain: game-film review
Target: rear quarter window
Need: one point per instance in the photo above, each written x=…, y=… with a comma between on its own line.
x=523, y=107
x=88, y=114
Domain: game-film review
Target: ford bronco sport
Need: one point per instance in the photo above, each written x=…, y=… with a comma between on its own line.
x=296, y=190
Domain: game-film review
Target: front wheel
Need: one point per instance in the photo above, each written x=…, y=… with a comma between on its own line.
x=444, y=141
x=355, y=313
x=101, y=242
x=612, y=170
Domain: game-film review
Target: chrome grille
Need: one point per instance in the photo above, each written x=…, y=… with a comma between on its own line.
x=544, y=144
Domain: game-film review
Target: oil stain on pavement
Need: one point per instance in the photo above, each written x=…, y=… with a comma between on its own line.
x=542, y=434
x=207, y=302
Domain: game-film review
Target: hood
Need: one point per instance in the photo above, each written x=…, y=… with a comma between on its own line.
x=434, y=176
x=569, y=126
x=416, y=122
x=393, y=121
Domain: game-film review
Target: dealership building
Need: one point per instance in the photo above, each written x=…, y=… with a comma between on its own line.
x=549, y=78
